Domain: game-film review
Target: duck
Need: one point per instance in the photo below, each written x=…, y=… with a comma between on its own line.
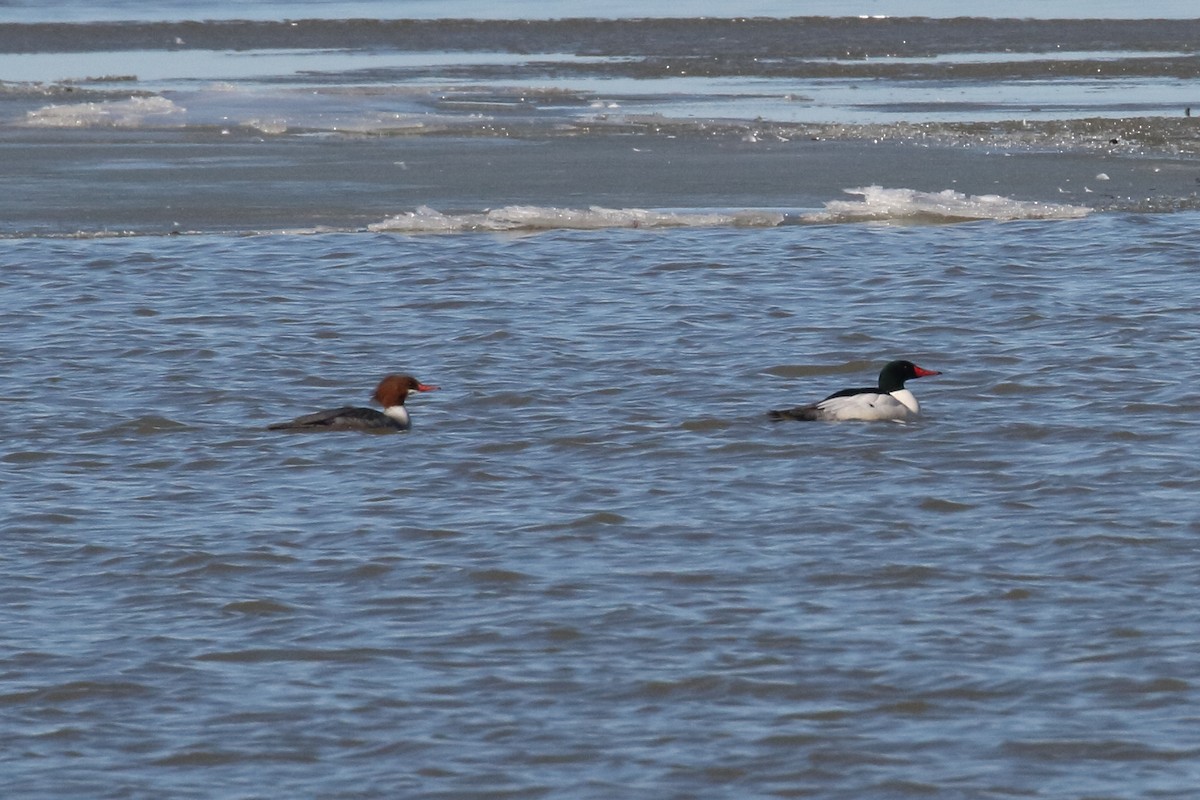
x=390, y=393
x=889, y=400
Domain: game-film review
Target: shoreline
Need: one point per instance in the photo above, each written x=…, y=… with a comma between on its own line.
x=155, y=182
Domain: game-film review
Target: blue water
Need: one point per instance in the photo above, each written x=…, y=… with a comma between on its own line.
x=595, y=568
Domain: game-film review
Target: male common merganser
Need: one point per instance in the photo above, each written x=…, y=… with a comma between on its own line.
x=390, y=394
x=889, y=401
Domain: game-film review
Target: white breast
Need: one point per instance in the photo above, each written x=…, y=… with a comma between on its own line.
x=398, y=413
x=908, y=399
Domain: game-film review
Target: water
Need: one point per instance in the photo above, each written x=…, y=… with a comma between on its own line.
x=593, y=568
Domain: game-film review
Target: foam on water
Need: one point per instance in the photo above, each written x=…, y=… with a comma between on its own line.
x=879, y=204
x=538, y=218
x=136, y=112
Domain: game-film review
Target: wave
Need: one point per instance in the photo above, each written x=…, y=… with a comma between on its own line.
x=879, y=204
x=542, y=218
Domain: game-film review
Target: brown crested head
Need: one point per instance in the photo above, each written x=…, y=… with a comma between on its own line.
x=393, y=389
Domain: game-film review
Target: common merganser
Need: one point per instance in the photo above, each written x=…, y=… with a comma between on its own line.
x=889, y=401
x=390, y=394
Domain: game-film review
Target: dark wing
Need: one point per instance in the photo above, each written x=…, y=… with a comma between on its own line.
x=799, y=412
x=852, y=392
x=813, y=410
x=318, y=419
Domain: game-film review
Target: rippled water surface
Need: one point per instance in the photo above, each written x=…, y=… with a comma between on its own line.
x=594, y=568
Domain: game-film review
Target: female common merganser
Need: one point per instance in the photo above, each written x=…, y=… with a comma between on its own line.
x=390, y=394
x=890, y=401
